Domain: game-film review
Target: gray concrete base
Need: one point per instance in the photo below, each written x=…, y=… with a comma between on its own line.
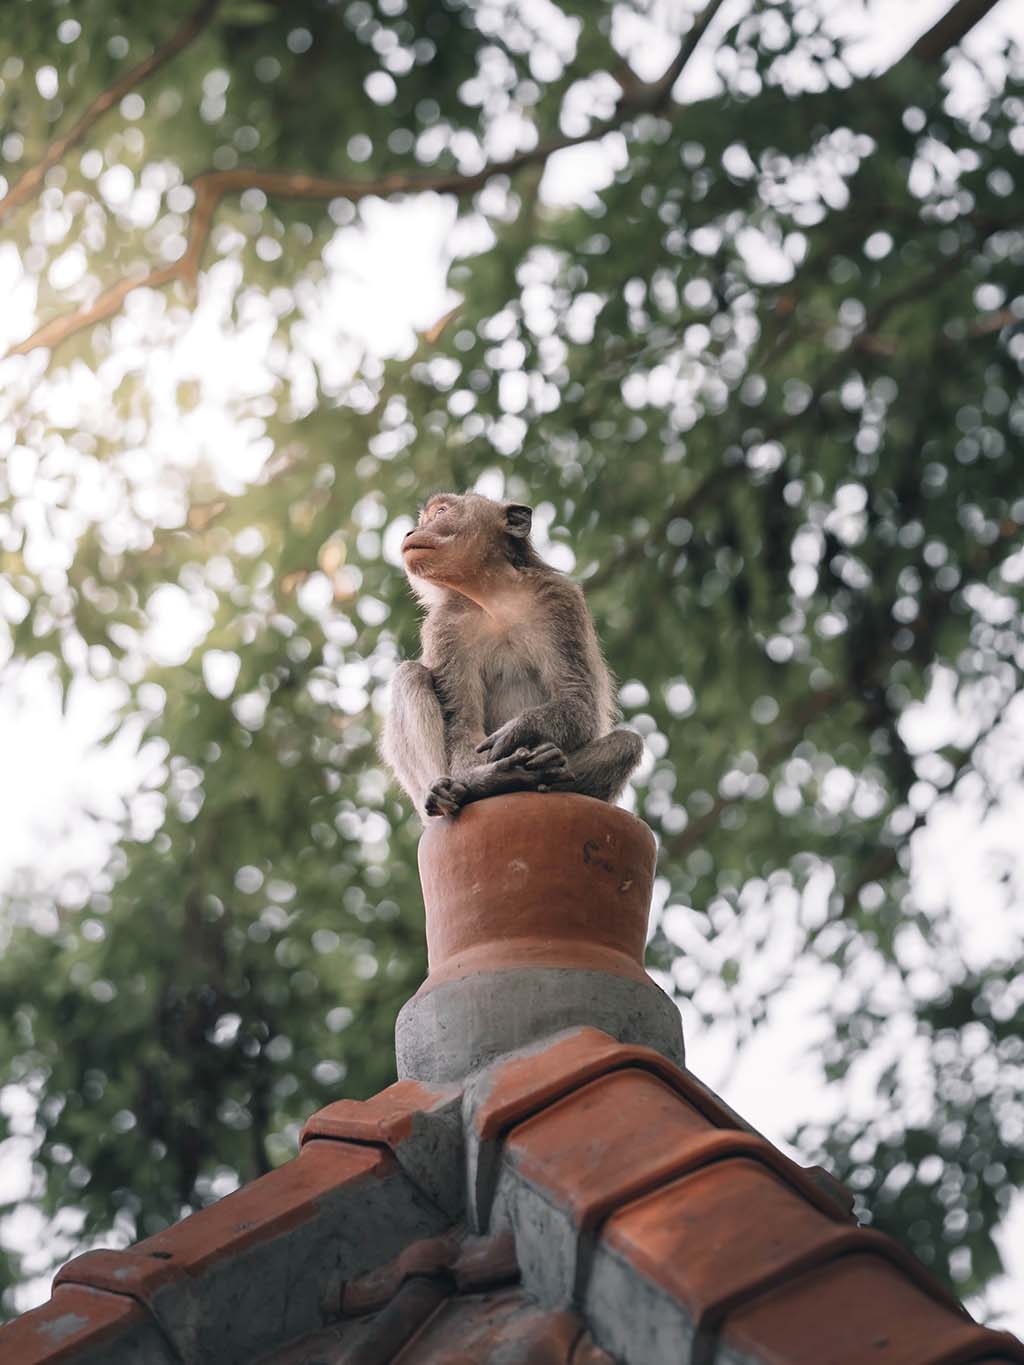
x=446, y=1033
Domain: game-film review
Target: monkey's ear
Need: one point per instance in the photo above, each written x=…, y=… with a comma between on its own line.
x=518, y=519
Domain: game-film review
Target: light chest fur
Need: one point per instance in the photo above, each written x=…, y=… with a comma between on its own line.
x=513, y=658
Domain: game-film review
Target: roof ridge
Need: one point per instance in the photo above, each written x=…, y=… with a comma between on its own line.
x=629, y=1203
x=242, y=1246
x=567, y=1178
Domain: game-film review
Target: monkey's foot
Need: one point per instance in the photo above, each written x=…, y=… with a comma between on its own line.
x=446, y=796
x=542, y=768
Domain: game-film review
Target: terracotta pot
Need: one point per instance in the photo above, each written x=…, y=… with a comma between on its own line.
x=536, y=880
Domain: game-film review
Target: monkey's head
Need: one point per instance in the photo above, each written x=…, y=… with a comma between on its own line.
x=462, y=540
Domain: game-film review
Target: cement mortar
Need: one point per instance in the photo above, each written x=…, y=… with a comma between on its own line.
x=447, y=1033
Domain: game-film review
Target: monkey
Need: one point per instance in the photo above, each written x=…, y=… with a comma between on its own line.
x=511, y=692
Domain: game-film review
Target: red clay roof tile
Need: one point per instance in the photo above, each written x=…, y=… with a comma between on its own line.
x=280, y=1200
x=386, y=1118
x=526, y=1084
x=619, y=1144
x=80, y=1325
x=733, y=1230
x=423, y=1325
x=468, y=1263
x=512, y=1091
x=503, y=1325
x=752, y=1220
x=383, y=1337
x=709, y=1234
x=431, y=1258
x=222, y=1285
x=587, y=1352
x=422, y=1126
x=606, y=1142
x=136, y=1274
x=486, y=1261
x=740, y=1238
x=627, y=1133
x=853, y=1310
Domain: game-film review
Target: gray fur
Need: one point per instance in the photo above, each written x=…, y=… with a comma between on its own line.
x=511, y=692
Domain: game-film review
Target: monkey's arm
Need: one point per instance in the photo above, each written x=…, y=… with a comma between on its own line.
x=413, y=740
x=440, y=773
x=563, y=723
x=459, y=689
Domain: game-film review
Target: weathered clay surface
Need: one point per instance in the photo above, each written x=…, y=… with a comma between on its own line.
x=537, y=880
x=232, y=1280
x=83, y=1326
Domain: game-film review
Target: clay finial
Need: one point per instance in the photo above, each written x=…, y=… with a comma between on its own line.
x=536, y=917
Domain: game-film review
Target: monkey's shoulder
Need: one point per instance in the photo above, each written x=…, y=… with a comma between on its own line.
x=554, y=591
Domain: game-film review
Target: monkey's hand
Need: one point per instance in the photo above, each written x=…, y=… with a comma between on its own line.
x=446, y=796
x=551, y=768
x=519, y=733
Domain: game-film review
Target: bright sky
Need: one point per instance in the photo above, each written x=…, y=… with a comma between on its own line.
x=386, y=281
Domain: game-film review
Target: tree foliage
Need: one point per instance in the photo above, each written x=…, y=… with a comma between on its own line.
x=763, y=388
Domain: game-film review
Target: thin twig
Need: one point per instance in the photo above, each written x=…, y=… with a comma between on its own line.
x=721, y=475
x=632, y=551
x=650, y=96
x=29, y=184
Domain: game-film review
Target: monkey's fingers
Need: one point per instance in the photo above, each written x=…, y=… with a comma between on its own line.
x=516, y=759
x=546, y=756
x=506, y=744
x=485, y=744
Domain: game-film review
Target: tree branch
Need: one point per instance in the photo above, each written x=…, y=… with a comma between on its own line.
x=686, y=507
x=211, y=186
x=954, y=25
x=650, y=96
x=885, y=859
x=721, y=475
x=28, y=185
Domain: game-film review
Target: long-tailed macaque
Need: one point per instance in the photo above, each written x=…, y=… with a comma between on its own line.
x=511, y=692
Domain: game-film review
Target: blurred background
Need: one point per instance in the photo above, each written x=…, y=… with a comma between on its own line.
x=732, y=296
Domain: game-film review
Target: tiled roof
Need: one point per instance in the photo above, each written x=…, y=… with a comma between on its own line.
x=580, y=1202
x=536, y=1190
